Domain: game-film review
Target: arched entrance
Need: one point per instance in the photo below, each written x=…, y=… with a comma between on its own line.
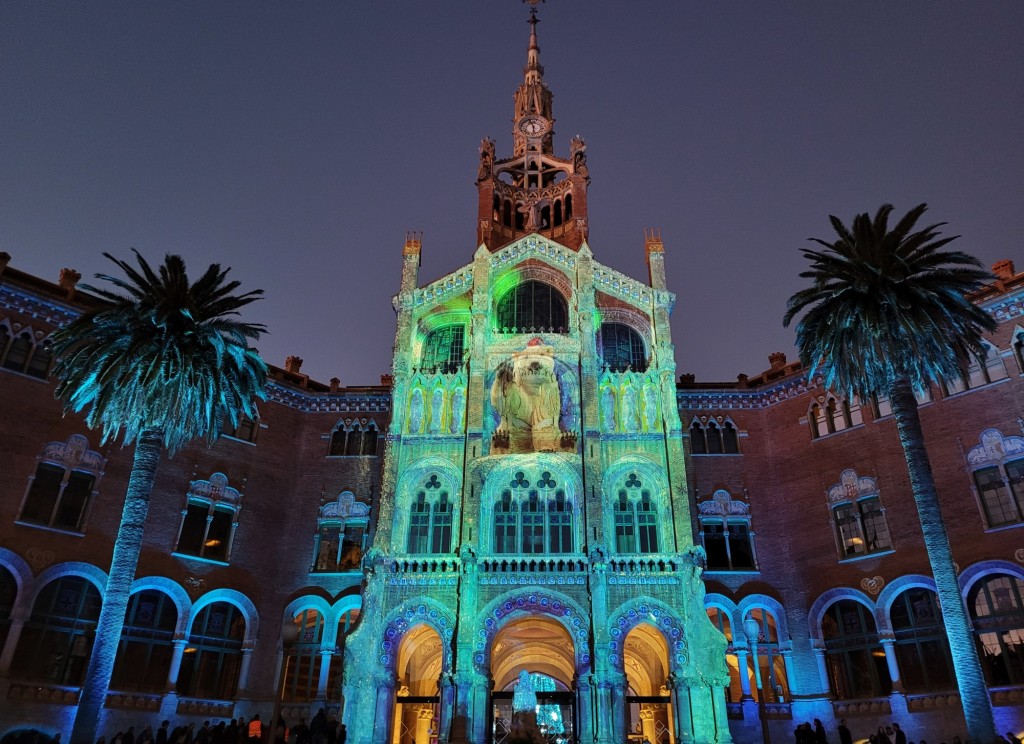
x=648, y=699
x=542, y=647
x=417, y=701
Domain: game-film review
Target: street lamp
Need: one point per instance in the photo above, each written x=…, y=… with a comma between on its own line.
x=753, y=630
x=289, y=634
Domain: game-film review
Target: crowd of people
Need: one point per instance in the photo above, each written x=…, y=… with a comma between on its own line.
x=805, y=733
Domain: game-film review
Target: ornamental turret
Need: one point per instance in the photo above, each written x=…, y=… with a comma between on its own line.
x=533, y=191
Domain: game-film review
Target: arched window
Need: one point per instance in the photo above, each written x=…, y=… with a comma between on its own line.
x=978, y=372
x=1001, y=489
x=212, y=659
x=720, y=619
x=39, y=362
x=64, y=484
x=622, y=348
x=854, y=657
x=1018, y=349
x=443, y=350
x=835, y=415
x=147, y=643
x=506, y=521
x=922, y=650
x=730, y=439
x=728, y=543
x=245, y=431
x=430, y=521
x=5, y=339
x=996, y=604
x=304, y=658
x=713, y=434
x=698, y=442
x=768, y=657
x=334, y=674
x=636, y=518
x=354, y=438
x=532, y=307
x=19, y=351
x=8, y=595
x=206, y=530
x=56, y=641
x=534, y=520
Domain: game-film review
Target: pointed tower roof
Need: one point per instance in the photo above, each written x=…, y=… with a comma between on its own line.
x=534, y=191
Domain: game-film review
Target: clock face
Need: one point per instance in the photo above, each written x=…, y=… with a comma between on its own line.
x=533, y=126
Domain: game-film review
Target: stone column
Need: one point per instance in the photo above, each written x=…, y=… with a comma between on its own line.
x=13, y=634
x=326, y=656
x=180, y=644
x=384, y=706
x=743, y=668
x=724, y=735
x=889, y=646
x=617, y=707
x=243, y=667
x=787, y=660
x=819, y=654
x=682, y=719
x=586, y=708
x=446, y=707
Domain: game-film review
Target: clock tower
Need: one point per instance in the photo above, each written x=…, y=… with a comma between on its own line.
x=534, y=191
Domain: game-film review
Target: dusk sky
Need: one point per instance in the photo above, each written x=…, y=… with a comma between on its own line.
x=297, y=141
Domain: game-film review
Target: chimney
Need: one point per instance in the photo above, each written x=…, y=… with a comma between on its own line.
x=777, y=359
x=742, y=380
x=5, y=258
x=292, y=364
x=335, y=384
x=411, y=259
x=654, y=249
x=1003, y=269
x=68, y=279
x=687, y=378
x=387, y=380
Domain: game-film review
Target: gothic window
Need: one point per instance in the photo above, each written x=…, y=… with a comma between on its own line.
x=506, y=520
x=768, y=657
x=354, y=438
x=533, y=520
x=56, y=641
x=883, y=407
x=443, y=350
x=207, y=529
x=430, y=521
x=18, y=352
x=833, y=415
x=714, y=438
x=622, y=348
x=212, y=659
x=861, y=528
x=41, y=359
x=244, y=432
x=144, y=654
x=636, y=518
x=1001, y=490
x=978, y=372
x=1018, y=349
x=698, y=443
x=532, y=307
x=854, y=658
x=996, y=604
x=922, y=651
x=304, y=658
x=8, y=594
x=63, y=486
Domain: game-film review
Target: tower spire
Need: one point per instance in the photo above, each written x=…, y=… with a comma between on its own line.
x=534, y=71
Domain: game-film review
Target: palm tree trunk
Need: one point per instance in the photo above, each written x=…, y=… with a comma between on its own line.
x=123, y=563
x=970, y=680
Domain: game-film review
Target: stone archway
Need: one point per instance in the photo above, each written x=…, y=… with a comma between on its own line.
x=419, y=665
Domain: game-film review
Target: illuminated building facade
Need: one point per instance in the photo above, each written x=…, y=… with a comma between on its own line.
x=532, y=489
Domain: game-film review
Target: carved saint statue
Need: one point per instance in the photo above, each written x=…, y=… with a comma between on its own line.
x=608, y=409
x=524, y=697
x=526, y=395
x=416, y=411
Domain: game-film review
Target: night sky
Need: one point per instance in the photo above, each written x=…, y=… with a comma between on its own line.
x=297, y=142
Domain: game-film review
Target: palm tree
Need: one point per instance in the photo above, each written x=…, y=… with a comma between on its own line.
x=887, y=313
x=161, y=362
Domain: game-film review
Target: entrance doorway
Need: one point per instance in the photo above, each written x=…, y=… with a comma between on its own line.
x=543, y=648
x=417, y=703
x=648, y=701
